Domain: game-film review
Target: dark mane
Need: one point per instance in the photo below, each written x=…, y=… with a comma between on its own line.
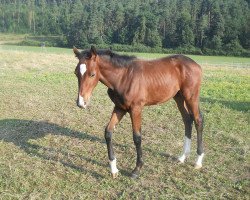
x=116, y=59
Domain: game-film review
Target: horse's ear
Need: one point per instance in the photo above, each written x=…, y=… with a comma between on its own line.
x=93, y=50
x=76, y=51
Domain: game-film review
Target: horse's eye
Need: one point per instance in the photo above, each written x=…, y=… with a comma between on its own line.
x=92, y=74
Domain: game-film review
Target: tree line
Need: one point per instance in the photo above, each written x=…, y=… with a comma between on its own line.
x=202, y=26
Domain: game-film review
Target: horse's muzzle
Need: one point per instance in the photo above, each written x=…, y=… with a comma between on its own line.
x=81, y=103
x=82, y=106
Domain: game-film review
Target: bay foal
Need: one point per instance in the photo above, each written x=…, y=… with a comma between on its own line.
x=134, y=83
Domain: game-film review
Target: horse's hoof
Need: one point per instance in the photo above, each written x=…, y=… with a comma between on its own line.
x=181, y=159
x=134, y=176
x=114, y=175
x=198, y=166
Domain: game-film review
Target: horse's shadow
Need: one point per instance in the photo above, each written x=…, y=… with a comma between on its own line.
x=21, y=132
x=235, y=105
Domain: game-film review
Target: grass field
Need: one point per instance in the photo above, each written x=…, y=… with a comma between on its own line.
x=203, y=60
x=50, y=149
x=11, y=38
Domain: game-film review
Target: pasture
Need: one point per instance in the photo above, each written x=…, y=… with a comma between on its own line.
x=50, y=149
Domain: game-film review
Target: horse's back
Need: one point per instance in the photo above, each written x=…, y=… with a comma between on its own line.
x=166, y=76
x=175, y=67
x=182, y=62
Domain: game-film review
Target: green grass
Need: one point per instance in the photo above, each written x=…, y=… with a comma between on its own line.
x=50, y=149
x=18, y=40
x=46, y=50
x=202, y=60
x=11, y=38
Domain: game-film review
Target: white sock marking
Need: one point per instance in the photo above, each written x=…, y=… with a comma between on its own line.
x=186, y=149
x=113, y=166
x=199, y=160
x=83, y=69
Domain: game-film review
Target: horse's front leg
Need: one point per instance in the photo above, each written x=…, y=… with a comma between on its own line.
x=135, y=114
x=115, y=118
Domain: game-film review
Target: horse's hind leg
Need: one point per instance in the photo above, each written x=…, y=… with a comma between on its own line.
x=193, y=105
x=135, y=114
x=188, y=121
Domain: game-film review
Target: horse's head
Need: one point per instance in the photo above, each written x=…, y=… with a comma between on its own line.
x=88, y=74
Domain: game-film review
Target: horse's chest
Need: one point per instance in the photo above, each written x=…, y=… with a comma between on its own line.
x=117, y=99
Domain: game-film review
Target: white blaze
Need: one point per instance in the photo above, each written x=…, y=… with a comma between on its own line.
x=81, y=101
x=83, y=69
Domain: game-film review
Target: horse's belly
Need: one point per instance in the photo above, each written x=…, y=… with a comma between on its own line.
x=161, y=94
x=159, y=99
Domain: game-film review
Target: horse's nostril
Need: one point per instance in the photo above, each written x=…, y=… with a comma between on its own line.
x=78, y=104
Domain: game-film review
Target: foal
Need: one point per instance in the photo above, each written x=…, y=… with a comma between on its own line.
x=134, y=83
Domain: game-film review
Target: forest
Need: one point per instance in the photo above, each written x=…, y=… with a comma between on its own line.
x=212, y=27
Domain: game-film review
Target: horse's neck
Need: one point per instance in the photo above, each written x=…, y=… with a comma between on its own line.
x=111, y=75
